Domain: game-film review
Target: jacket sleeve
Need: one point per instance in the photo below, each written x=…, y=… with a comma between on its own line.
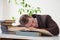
x=52, y=26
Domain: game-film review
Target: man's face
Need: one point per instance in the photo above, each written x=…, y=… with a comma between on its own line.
x=31, y=22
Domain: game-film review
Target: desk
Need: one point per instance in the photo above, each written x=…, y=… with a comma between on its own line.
x=13, y=36
x=28, y=37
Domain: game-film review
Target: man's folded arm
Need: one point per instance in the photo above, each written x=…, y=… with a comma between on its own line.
x=52, y=26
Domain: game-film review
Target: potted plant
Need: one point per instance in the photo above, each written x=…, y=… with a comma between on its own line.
x=26, y=8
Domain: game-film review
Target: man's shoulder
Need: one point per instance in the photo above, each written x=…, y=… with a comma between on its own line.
x=42, y=16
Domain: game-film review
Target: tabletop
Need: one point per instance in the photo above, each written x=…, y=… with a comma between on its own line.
x=13, y=36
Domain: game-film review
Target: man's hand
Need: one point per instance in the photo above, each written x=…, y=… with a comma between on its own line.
x=16, y=28
x=44, y=31
x=32, y=29
x=19, y=28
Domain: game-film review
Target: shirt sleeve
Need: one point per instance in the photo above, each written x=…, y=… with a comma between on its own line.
x=52, y=27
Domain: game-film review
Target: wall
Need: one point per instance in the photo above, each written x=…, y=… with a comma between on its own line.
x=1, y=9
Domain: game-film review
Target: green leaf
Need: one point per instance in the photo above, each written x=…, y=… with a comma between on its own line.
x=29, y=5
x=16, y=2
x=13, y=18
x=30, y=13
x=35, y=11
x=38, y=9
x=22, y=9
x=23, y=0
x=27, y=10
x=32, y=10
x=22, y=3
x=9, y=1
x=20, y=12
x=26, y=5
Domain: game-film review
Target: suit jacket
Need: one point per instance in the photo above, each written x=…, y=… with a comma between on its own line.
x=47, y=23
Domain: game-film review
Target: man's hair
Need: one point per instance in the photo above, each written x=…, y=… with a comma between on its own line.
x=24, y=19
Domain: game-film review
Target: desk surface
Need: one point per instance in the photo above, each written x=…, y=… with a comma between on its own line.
x=28, y=37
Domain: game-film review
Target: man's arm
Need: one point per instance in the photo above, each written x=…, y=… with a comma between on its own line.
x=29, y=29
x=52, y=26
x=43, y=31
x=16, y=28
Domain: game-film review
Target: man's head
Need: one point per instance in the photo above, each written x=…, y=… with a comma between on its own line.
x=28, y=21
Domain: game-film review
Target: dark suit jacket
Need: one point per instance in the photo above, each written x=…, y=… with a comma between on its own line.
x=47, y=23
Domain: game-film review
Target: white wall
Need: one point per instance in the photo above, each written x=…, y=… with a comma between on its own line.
x=1, y=9
x=6, y=10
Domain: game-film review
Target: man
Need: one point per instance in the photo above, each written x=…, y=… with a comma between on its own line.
x=38, y=23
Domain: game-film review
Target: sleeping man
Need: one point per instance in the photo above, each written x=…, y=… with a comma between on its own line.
x=41, y=23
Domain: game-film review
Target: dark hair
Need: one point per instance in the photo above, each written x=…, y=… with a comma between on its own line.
x=24, y=19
